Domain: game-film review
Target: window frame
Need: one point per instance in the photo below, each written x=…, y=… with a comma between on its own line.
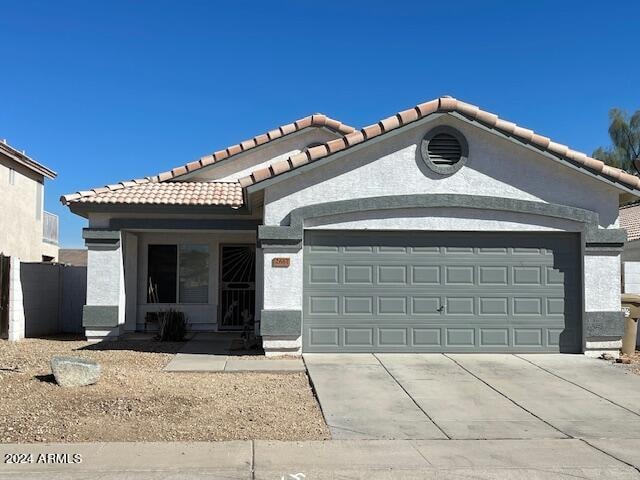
x=177, y=281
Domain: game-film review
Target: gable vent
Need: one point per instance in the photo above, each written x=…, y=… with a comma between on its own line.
x=444, y=149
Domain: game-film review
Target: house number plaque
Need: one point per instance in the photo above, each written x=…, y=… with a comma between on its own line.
x=281, y=262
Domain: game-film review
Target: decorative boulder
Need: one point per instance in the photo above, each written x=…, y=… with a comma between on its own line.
x=74, y=371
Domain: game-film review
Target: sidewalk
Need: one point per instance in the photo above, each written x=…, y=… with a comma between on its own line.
x=349, y=459
x=213, y=353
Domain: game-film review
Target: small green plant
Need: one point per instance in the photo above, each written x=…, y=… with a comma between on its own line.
x=173, y=326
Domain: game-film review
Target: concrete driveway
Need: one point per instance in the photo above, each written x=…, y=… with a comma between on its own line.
x=466, y=396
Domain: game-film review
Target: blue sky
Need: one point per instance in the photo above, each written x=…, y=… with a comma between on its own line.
x=104, y=91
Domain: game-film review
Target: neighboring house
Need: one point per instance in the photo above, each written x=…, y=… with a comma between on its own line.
x=26, y=230
x=630, y=221
x=73, y=256
x=439, y=229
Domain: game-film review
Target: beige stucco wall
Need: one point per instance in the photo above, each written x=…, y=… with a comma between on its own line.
x=20, y=226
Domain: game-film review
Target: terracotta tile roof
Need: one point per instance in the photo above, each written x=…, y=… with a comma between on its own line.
x=630, y=220
x=23, y=159
x=168, y=193
x=315, y=120
x=443, y=104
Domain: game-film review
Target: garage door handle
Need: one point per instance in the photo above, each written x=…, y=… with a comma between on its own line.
x=440, y=308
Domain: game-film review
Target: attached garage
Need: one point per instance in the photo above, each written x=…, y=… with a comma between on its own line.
x=413, y=291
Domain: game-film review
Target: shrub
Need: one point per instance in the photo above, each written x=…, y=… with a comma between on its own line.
x=173, y=326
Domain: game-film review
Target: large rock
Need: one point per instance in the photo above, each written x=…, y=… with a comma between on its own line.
x=74, y=372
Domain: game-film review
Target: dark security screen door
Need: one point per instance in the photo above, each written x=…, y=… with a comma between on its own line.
x=441, y=292
x=237, y=286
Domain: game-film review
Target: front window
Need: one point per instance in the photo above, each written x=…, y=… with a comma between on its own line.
x=194, y=274
x=178, y=273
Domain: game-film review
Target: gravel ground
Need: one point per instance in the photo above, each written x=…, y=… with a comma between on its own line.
x=632, y=362
x=136, y=401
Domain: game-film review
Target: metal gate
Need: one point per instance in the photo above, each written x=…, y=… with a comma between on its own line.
x=237, y=286
x=5, y=263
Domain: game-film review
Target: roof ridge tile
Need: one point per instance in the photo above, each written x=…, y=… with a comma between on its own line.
x=351, y=137
x=475, y=113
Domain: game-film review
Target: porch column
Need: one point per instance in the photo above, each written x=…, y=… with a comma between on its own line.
x=104, y=314
x=281, y=315
x=603, y=324
x=130, y=255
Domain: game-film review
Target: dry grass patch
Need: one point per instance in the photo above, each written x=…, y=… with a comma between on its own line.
x=136, y=401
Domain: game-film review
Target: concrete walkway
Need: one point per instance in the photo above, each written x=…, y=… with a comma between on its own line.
x=375, y=459
x=466, y=396
x=213, y=353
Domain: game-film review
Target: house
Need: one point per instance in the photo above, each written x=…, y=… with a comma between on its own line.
x=630, y=222
x=73, y=256
x=26, y=230
x=439, y=229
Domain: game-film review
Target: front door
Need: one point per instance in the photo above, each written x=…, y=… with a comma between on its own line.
x=237, y=286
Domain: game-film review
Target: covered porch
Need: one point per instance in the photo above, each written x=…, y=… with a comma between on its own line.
x=204, y=268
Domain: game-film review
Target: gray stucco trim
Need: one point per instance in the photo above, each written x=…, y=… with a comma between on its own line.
x=603, y=324
x=100, y=316
x=606, y=236
x=100, y=238
x=604, y=248
x=273, y=246
x=184, y=224
x=281, y=322
x=605, y=240
x=294, y=231
x=100, y=234
x=83, y=209
x=274, y=236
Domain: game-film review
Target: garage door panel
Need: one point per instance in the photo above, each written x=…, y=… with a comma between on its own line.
x=493, y=275
x=425, y=275
x=324, y=337
x=460, y=337
x=392, y=305
x=392, y=337
x=425, y=305
x=527, y=337
x=324, y=274
x=493, y=306
x=430, y=340
x=324, y=305
x=494, y=337
x=375, y=291
x=359, y=274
